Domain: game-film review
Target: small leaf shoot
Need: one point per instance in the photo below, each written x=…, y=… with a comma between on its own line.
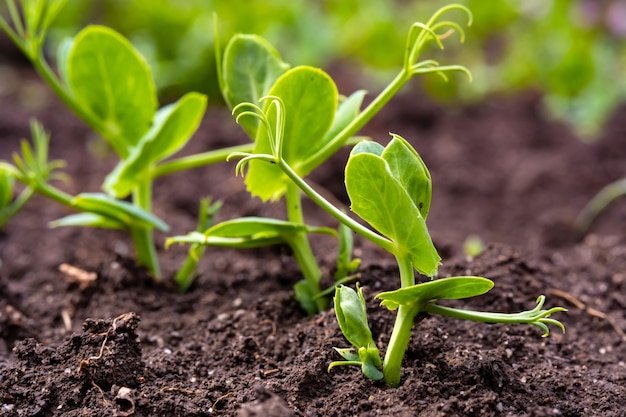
x=206, y=217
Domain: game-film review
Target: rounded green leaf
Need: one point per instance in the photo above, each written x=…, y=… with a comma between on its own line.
x=379, y=198
x=251, y=66
x=406, y=165
x=112, y=81
x=6, y=189
x=310, y=101
x=453, y=288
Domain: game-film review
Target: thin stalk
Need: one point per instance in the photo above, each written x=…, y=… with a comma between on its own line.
x=63, y=93
x=206, y=217
x=4, y=25
x=199, y=160
x=143, y=237
x=299, y=242
x=54, y=193
x=381, y=241
x=401, y=333
x=15, y=16
x=606, y=196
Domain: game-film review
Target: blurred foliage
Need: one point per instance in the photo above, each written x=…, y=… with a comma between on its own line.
x=572, y=50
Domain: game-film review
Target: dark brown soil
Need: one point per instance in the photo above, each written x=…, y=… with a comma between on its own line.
x=237, y=343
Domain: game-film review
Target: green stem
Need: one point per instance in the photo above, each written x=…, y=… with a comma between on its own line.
x=64, y=94
x=199, y=160
x=54, y=193
x=335, y=212
x=299, y=242
x=143, y=238
x=206, y=217
x=8, y=212
x=361, y=120
x=401, y=333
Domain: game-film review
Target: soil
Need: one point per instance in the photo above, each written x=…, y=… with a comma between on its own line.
x=237, y=344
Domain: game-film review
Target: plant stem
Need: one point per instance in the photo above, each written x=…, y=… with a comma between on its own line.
x=206, y=217
x=143, y=238
x=335, y=212
x=62, y=92
x=361, y=120
x=299, y=242
x=401, y=333
x=199, y=160
x=53, y=193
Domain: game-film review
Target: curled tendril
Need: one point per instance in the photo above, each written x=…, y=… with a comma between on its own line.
x=275, y=135
x=540, y=317
x=420, y=34
x=246, y=158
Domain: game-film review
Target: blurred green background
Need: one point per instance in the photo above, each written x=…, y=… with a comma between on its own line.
x=571, y=50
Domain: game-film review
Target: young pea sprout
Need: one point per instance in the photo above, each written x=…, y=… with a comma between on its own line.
x=391, y=189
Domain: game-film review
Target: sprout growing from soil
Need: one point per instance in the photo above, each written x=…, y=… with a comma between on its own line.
x=108, y=84
x=391, y=189
x=320, y=122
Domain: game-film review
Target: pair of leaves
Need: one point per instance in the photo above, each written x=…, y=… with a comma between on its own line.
x=390, y=188
x=248, y=232
x=123, y=103
x=351, y=313
x=172, y=128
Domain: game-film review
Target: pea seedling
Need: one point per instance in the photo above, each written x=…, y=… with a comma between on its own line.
x=390, y=188
x=108, y=84
x=319, y=124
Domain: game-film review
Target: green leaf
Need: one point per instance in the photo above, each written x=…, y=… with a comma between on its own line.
x=173, y=127
x=113, y=82
x=197, y=238
x=379, y=198
x=251, y=66
x=351, y=315
x=310, y=101
x=119, y=210
x=368, y=147
x=88, y=220
x=248, y=232
x=63, y=57
x=346, y=112
x=453, y=288
x=6, y=189
x=408, y=168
